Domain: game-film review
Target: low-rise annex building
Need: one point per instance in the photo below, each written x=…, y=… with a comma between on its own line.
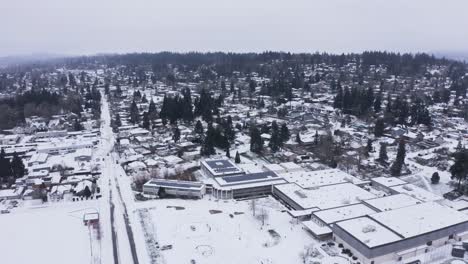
x=161, y=187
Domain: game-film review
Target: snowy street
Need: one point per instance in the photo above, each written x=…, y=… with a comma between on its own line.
x=124, y=250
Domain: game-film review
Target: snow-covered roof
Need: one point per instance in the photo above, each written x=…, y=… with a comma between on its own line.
x=250, y=167
x=274, y=167
x=417, y=192
x=311, y=179
x=388, y=181
x=85, y=152
x=420, y=219
x=392, y=202
x=325, y=197
x=368, y=231
x=38, y=157
x=317, y=229
x=343, y=213
x=172, y=159
x=186, y=185
x=291, y=166
x=244, y=180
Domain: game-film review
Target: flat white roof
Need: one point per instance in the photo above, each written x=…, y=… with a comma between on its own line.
x=343, y=213
x=458, y=205
x=369, y=231
x=311, y=179
x=388, y=181
x=420, y=219
x=274, y=167
x=175, y=184
x=392, y=202
x=416, y=192
x=246, y=180
x=317, y=229
x=291, y=166
x=250, y=168
x=325, y=197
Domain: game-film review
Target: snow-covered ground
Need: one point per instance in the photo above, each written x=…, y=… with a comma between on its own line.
x=52, y=234
x=230, y=234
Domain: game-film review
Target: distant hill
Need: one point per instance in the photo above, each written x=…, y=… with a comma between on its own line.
x=23, y=59
x=454, y=55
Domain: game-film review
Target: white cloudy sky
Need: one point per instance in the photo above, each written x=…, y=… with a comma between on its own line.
x=94, y=26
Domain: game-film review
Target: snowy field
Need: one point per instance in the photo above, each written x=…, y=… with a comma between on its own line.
x=52, y=235
x=211, y=232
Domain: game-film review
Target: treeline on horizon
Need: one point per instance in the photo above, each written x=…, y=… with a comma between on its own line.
x=226, y=63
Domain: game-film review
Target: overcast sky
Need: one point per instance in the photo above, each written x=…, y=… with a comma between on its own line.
x=94, y=26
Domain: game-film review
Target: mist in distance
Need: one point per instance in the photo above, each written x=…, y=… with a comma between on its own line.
x=88, y=27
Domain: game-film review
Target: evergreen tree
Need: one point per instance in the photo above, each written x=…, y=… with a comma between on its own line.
x=256, y=141
x=383, y=157
x=136, y=95
x=445, y=95
x=134, y=113
x=275, y=140
x=369, y=99
x=223, y=86
x=117, y=121
x=228, y=153
x=284, y=133
x=298, y=138
x=146, y=120
x=77, y=126
x=229, y=129
x=199, y=128
x=459, y=169
x=379, y=127
x=176, y=135
x=231, y=87
x=378, y=104
x=208, y=144
x=143, y=99
x=17, y=166
x=237, y=159
x=396, y=167
x=435, y=178
x=187, y=112
x=106, y=89
x=252, y=86
x=369, y=147
x=5, y=166
x=152, y=110
x=87, y=192
x=338, y=101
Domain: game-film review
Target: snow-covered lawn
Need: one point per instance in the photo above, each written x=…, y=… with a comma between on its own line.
x=229, y=233
x=52, y=235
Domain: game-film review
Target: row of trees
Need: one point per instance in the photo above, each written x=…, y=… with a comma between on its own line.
x=176, y=108
x=278, y=137
x=11, y=169
x=42, y=103
x=459, y=170
x=400, y=111
x=356, y=101
x=220, y=136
